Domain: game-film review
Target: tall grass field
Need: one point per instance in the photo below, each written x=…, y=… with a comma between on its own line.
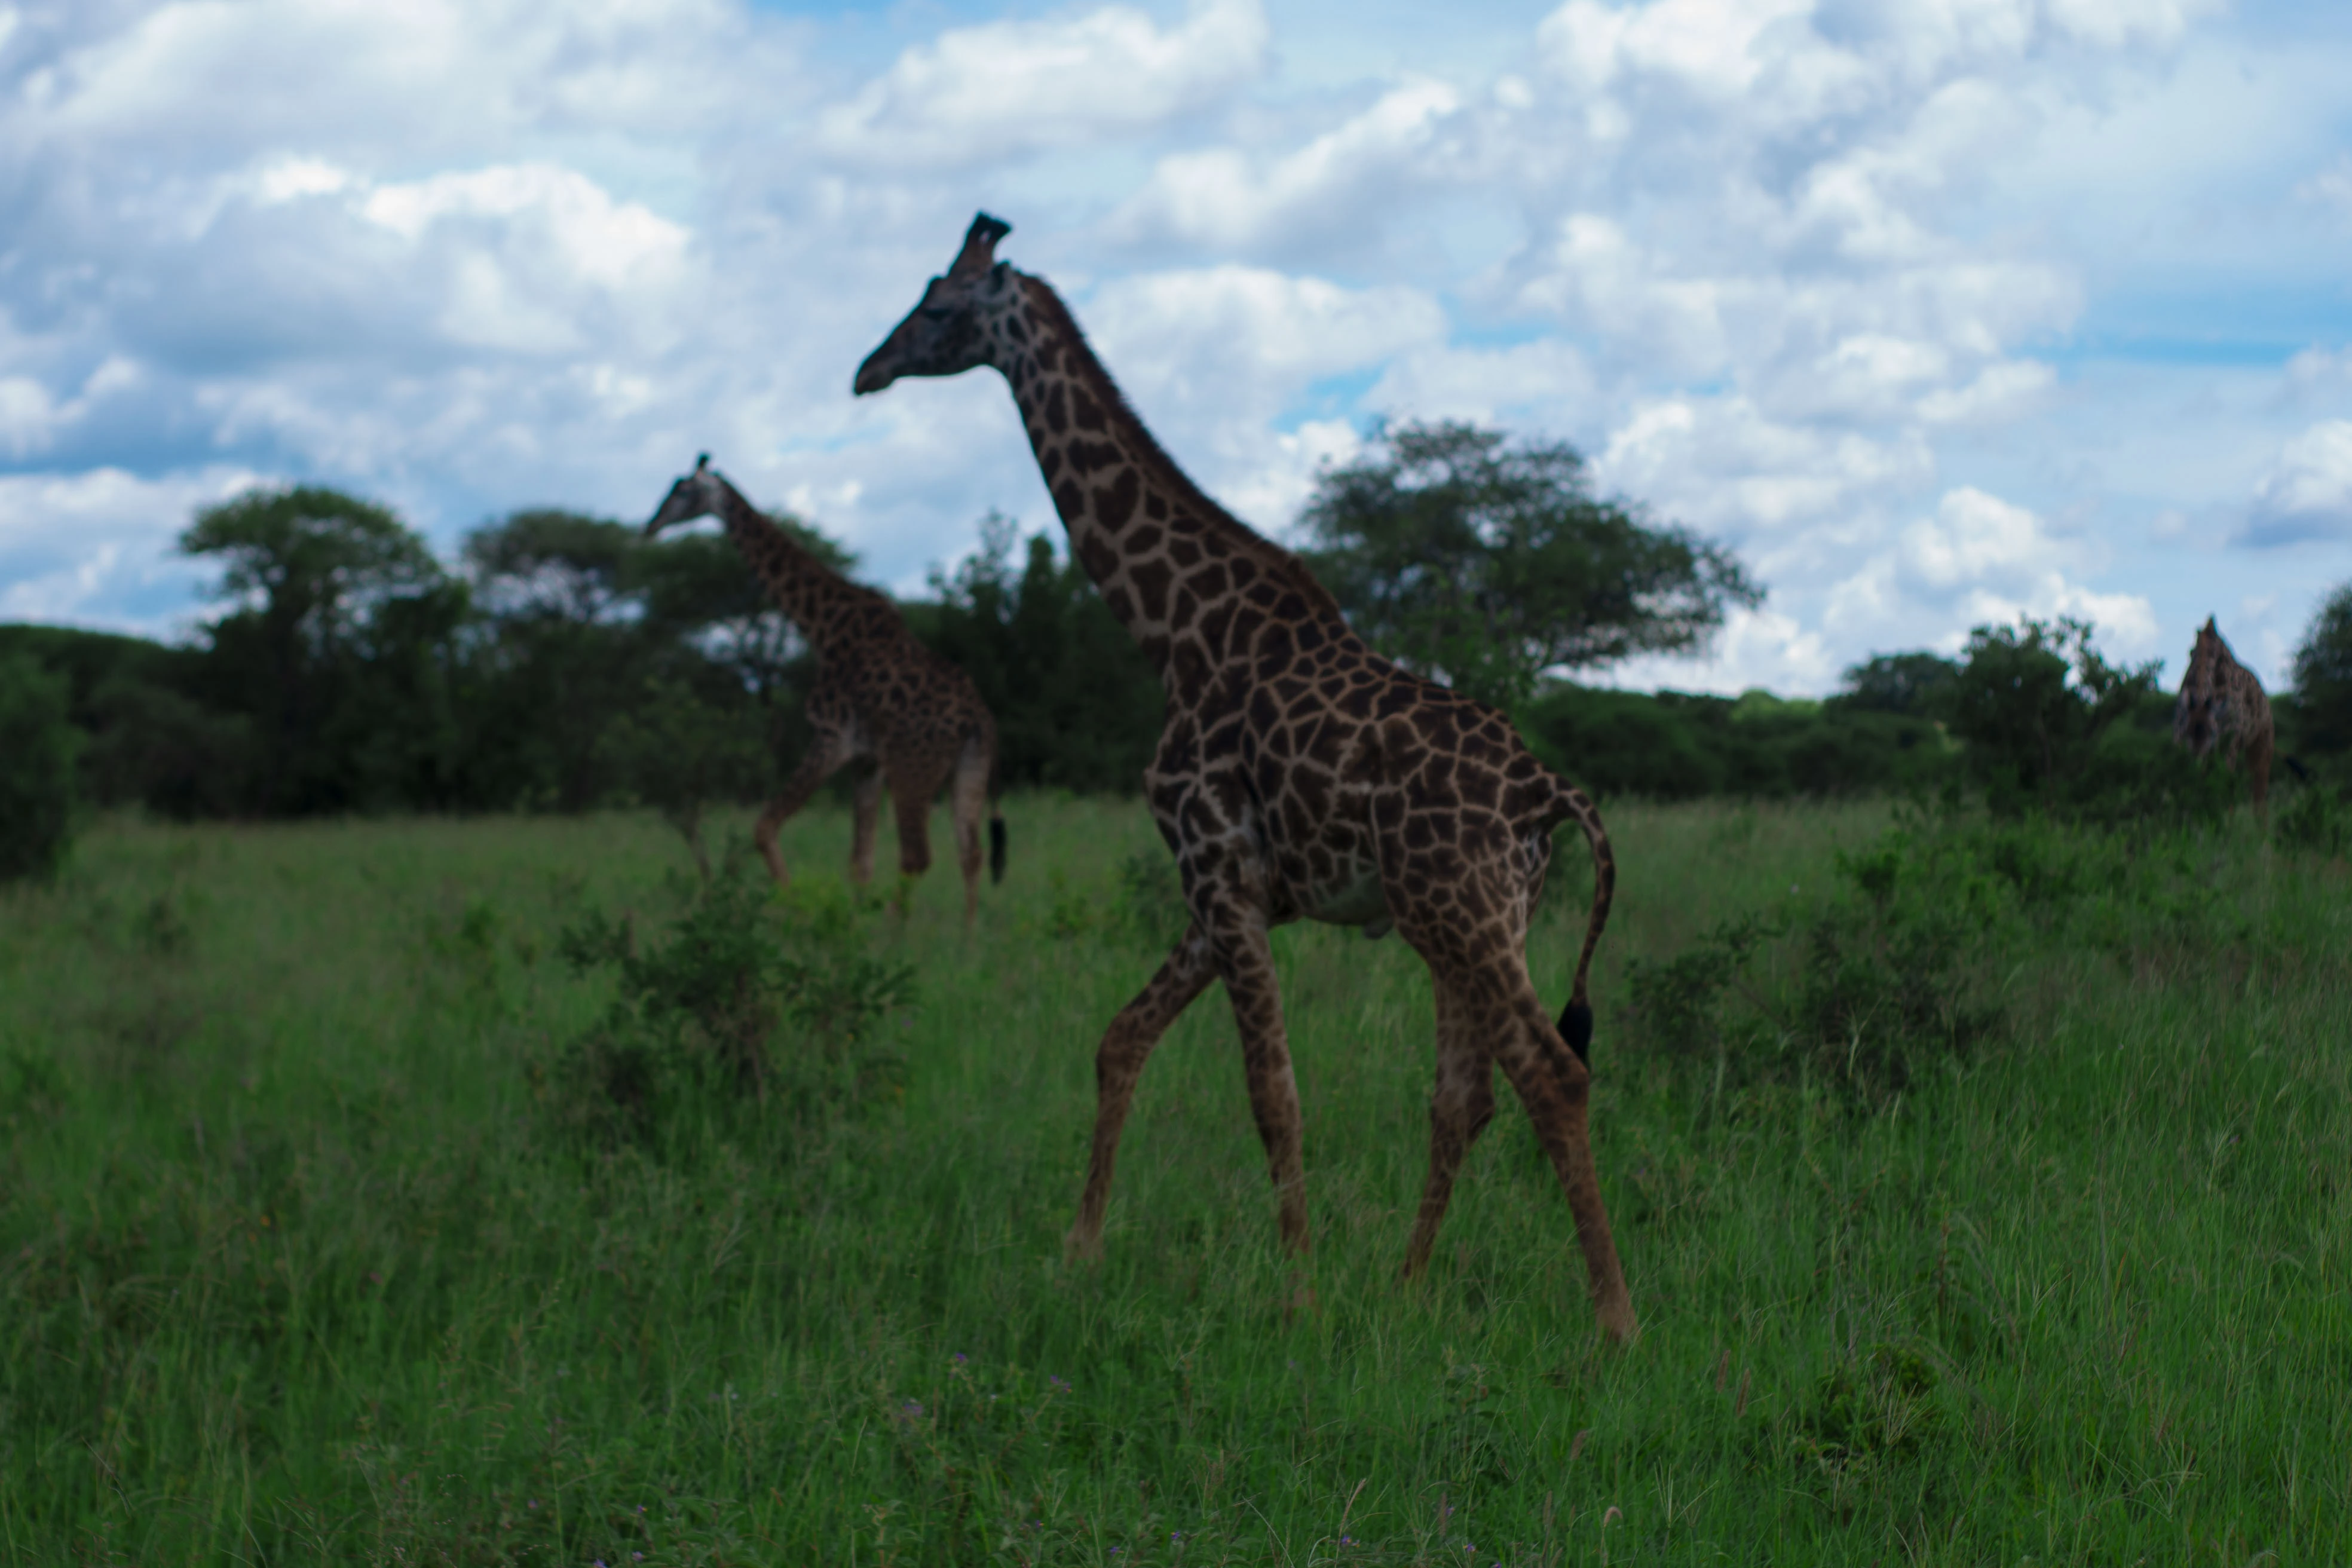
x=364, y=1197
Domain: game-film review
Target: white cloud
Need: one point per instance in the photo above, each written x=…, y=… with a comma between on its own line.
x=975, y=94
x=95, y=548
x=1714, y=47
x=1549, y=377
x=1723, y=466
x=1250, y=330
x=2307, y=493
x=2116, y=24
x=1980, y=559
x=1763, y=647
x=1228, y=199
x=2332, y=185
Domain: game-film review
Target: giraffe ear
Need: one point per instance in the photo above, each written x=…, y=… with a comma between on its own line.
x=979, y=251
x=701, y=461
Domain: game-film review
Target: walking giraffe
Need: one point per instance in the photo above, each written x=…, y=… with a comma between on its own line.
x=2221, y=700
x=1298, y=775
x=880, y=698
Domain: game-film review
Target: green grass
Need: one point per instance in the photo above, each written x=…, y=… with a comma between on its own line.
x=292, y=1267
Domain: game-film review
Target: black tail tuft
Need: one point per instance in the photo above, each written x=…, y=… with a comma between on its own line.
x=996, y=858
x=1576, y=1028
x=2294, y=766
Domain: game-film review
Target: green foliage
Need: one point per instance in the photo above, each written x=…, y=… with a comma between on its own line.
x=299, y=1266
x=1920, y=684
x=1485, y=564
x=2323, y=674
x=2316, y=821
x=1867, y=984
x=2032, y=701
x=749, y=996
x=337, y=654
x=1675, y=746
x=1861, y=991
x=37, y=746
x=1077, y=706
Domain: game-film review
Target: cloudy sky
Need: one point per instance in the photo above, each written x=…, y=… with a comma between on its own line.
x=1936, y=311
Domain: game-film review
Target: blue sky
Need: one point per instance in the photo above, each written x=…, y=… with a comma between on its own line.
x=1936, y=311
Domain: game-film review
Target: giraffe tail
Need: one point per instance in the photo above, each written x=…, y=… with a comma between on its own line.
x=1576, y=1019
x=995, y=816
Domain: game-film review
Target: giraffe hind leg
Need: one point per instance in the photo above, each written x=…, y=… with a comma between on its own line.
x=968, y=798
x=1459, y=1110
x=1556, y=1088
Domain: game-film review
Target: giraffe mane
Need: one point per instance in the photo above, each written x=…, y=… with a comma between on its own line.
x=1279, y=562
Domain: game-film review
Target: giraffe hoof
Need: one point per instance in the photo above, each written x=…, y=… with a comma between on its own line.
x=1081, y=1251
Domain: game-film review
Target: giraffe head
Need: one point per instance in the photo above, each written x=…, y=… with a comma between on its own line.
x=695, y=495
x=954, y=328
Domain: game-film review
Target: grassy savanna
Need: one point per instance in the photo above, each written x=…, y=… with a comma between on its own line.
x=298, y=1263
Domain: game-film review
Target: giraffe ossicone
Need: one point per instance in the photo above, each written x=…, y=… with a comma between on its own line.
x=1299, y=775
x=880, y=699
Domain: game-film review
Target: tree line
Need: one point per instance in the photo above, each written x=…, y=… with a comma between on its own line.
x=565, y=662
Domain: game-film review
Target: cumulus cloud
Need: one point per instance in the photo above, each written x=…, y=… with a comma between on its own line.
x=2307, y=493
x=95, y=549
x=975, y=94
x=1979, y=559
x=1229, y=199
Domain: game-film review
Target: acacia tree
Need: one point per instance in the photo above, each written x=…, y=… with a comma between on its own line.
x=1485, y=564
x=310, y=571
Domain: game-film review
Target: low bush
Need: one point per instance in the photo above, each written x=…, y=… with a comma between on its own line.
x=750, y=996
x=1900, y=965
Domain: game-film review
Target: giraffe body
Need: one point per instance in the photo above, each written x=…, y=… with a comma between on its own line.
x=1299, y=775
x=2222, y=707
x=881, y=700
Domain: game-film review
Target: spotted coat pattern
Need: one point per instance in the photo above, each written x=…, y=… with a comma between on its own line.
x=2222, y=705
x=907, y=717
x=1298, y=775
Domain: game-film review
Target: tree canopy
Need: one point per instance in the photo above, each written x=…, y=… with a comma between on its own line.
x=1483, y=563
x=2323, y=674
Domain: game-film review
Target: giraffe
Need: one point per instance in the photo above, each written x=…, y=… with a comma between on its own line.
x=1298, y=775
x=880, y=698
x=2220, y=699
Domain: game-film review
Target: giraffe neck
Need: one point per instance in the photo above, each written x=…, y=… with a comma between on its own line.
x=1166, y=558
x=814, y=596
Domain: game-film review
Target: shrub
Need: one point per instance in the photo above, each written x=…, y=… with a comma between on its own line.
x=1872, y=982
x=2315, y=820
x=749, y=996
x=2033, y=703
x=37, y=747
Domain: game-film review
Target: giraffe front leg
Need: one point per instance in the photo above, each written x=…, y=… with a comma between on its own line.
x=1459, y=1110
x=1245, y=963
x=823, y=758
x=1118, y=1066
